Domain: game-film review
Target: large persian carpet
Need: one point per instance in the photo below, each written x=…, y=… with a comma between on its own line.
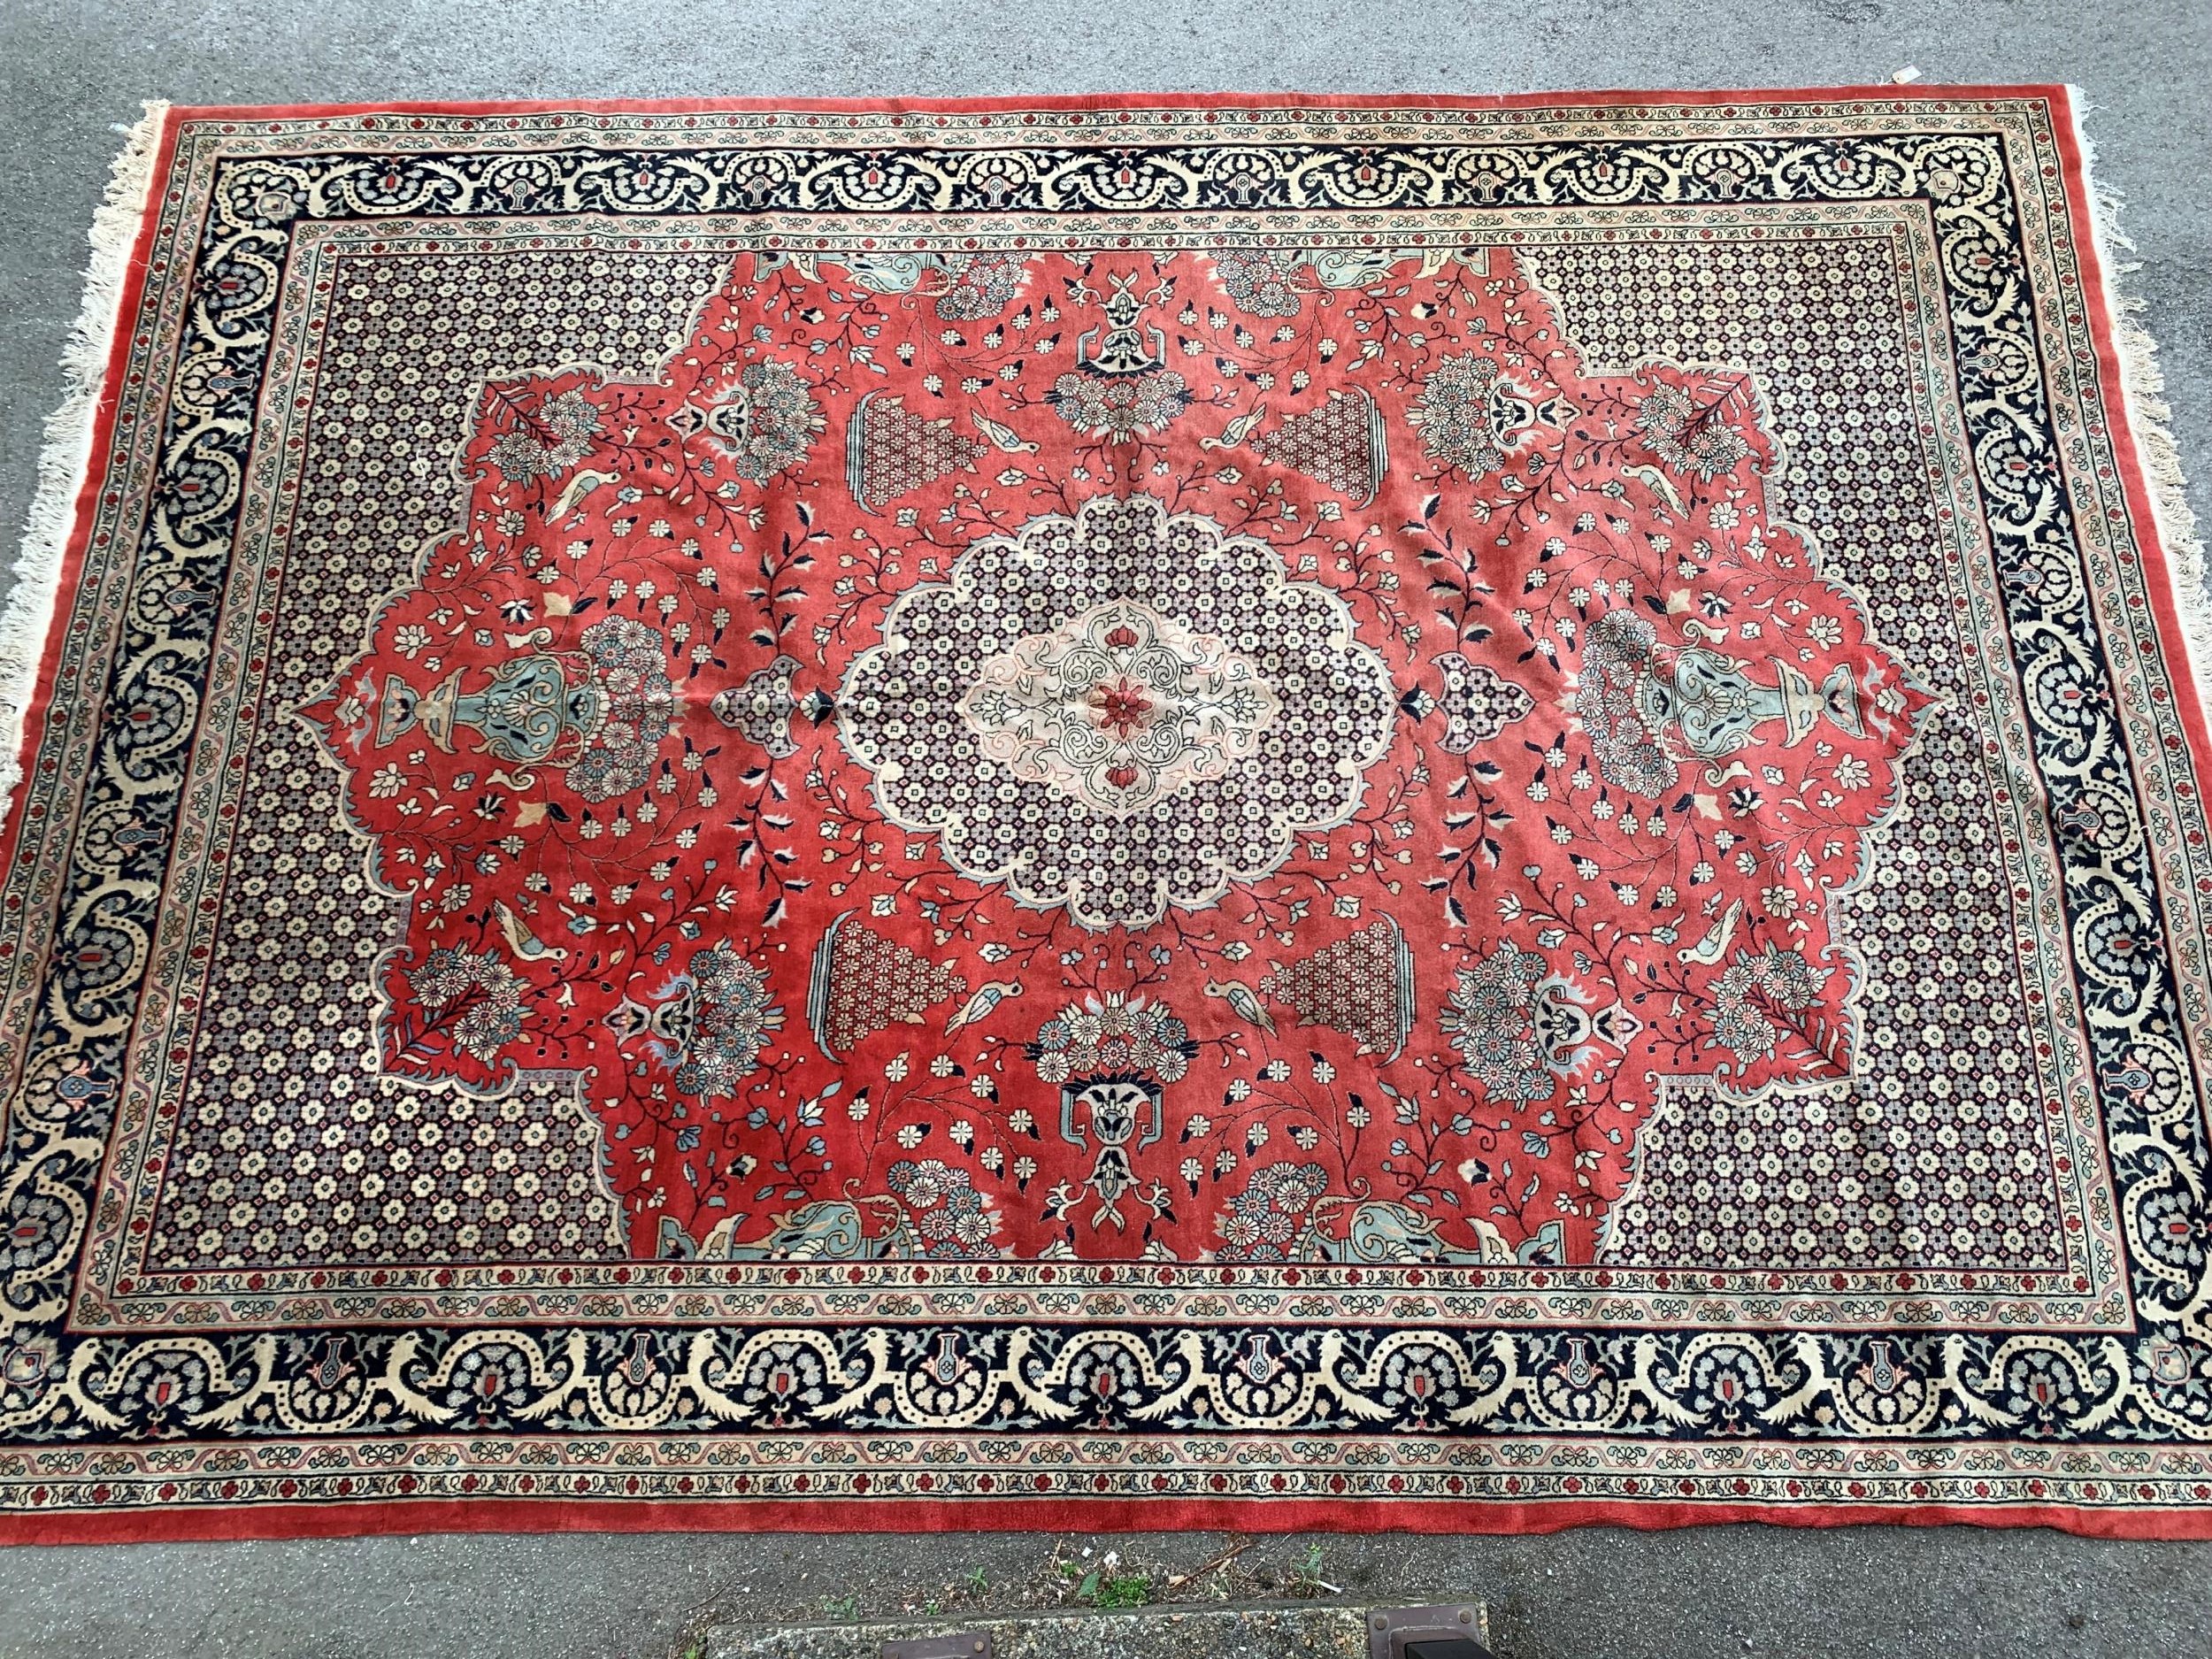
x=1133, y=812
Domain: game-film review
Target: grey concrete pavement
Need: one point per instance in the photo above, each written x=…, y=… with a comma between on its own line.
x=1862, y=1592
x=70, y=70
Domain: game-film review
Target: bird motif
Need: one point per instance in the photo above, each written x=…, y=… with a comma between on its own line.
x=1236, y=432
x=520, y=939
x=987, y=996
x=575, y=490
x=1004, y=438
x=1660, y=483
x=1242, y=1001
x=1709, y=950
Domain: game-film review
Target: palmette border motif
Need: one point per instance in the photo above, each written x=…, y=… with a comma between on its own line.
x=1919, y=1418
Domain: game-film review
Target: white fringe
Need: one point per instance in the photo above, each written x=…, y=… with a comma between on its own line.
x=29, y=613
x=2142, y=396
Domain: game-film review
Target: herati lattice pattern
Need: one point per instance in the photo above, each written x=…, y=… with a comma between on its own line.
x=1131, y=812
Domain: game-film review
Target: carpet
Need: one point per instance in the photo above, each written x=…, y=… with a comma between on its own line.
x=1139, y=812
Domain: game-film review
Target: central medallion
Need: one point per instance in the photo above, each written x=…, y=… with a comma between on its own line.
x=1120, y=708
x=1118, y=711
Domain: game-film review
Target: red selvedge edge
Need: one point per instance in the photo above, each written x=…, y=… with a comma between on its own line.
x=1054, y=1514
x=1113, y=1515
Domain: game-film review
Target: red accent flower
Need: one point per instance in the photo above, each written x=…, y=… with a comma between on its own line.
x=1123, y=708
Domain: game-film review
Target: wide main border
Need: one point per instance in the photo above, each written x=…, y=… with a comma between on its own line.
x=2120, y=551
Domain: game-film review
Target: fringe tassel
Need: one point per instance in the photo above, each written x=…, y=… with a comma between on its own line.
x=29, y=613
x=2142, y=388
